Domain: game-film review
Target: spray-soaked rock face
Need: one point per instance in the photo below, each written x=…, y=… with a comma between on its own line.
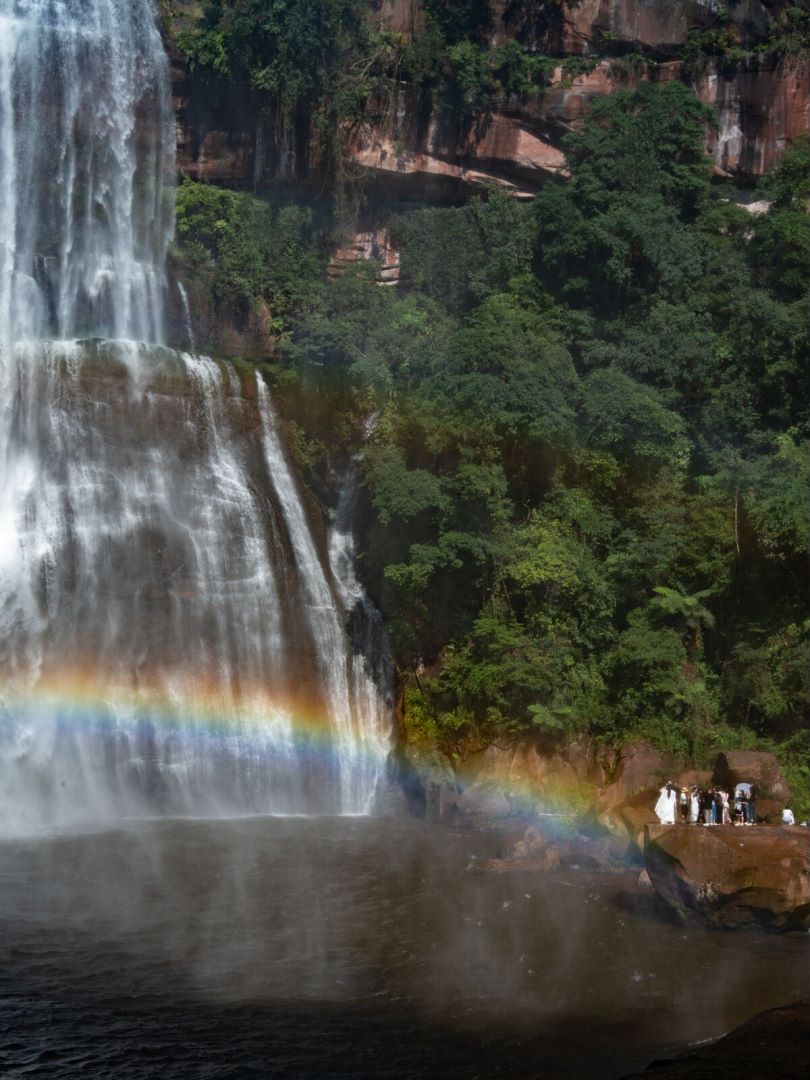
x=758, y=768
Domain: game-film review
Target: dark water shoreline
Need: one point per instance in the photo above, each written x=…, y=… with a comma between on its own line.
x=337, y=948
x=772, y=1043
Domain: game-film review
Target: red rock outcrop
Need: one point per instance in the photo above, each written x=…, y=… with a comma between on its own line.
x=732, y=877
x=532, y=853
x=368, y=245
x=760, y=110
x=659, y=26
x=754, y=767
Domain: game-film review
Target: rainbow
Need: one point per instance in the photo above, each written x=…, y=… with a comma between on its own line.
x=172, y=701
x=94, y=748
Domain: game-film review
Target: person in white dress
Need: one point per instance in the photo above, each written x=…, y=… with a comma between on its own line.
x=667, y=806
x=694, y=806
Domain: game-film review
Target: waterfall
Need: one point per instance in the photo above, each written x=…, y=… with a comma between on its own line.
x=86, y=157
x=371, y=683
x=173, y=638
x=189, y=329
x=358, y=722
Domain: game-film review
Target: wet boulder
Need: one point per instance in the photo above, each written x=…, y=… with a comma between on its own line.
x=634, y=815
x=639, y=767
x=531, y=853
x=732, y=877
x=770, y=1044
x=428, y=782
x=483, y=804
x=626, y=818
x=699, y=777
x=605, y=854
x=761, y=769
x=637, y=770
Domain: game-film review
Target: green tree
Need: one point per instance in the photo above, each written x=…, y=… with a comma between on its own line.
x=688, y=610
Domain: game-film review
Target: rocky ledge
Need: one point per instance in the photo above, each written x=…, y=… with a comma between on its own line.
x=732, y=876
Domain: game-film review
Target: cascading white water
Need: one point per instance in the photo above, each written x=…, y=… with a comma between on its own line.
x=358, y=711
x=187, y=325
x=171, y=638
x=371, y=669
x=86, y=147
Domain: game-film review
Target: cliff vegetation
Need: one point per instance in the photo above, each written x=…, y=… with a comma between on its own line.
x=585, y=497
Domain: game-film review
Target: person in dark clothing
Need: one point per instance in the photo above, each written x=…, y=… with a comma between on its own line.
x=752, y=804
x=705, y=799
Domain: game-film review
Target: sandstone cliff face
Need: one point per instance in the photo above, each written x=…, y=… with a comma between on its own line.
x=228, y=135
x=582, y=26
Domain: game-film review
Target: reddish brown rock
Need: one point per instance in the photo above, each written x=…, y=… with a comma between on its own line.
x=625, y=806
x=755, y=767
x=579, y=755
x=658, y=26
x=761, y=110
x=529, y=770
x=530, y=775
x=699, y=777
x=372, y=245
x=635, y=814
x=640, y=767
x=732, y=877
x=401, y=16
x=530, y=854
x=485, y=765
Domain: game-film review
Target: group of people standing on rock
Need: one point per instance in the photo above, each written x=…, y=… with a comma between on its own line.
x=706, y=806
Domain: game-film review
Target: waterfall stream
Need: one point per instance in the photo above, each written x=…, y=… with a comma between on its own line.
x=173, y=636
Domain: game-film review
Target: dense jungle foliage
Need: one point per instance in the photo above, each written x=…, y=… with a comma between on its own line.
x=586, y=488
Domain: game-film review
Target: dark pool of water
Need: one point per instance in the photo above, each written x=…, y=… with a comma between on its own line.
x=343, y=948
